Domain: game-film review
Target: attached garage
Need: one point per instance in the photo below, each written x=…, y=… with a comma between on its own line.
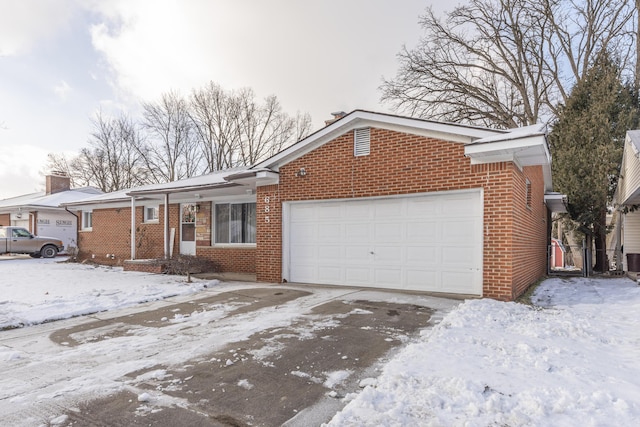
x=421, y=242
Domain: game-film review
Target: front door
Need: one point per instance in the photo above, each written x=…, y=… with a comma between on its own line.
x=188, y=229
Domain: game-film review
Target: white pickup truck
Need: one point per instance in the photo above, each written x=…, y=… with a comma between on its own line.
x=18, y=240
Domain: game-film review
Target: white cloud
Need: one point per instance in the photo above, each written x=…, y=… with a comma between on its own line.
x=62, y=90
x=24, y=23
x=312, y=56
x=20, y=169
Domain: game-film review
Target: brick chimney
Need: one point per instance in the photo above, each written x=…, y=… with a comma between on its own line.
x=57, y=182
x=336, y=116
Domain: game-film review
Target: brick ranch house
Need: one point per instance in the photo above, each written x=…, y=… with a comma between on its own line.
x=41, y=213
x=370, y=200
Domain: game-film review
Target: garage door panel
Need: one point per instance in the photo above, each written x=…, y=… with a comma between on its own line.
x=329, y=252
x=329, y=232
x=305, y=273
x=391, y=254
x=387, y=208
x=429, y=242
x=457, y=281
x=422, y=255
x=331, y=275
x=356, y=253
x=357, y=211
x=304, y=232
x=388, y=232
x=424, y=231
x=420, y=208
x=357, y=232
x=387, y=277
x=462, y=257
x=358, y=276
x=328, y=211
x=419, y=278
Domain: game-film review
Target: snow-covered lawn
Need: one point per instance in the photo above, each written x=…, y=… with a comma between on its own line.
x=572, y=361
x=34, y=291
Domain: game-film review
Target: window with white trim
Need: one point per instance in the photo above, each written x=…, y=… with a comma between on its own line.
x=362, y=142
x=87, y=220
x=151, y=213
x=235, y=223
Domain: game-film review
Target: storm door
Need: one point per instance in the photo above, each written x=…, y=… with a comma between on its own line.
x=188, y=229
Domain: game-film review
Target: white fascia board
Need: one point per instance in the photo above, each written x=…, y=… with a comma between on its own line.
x=510, y=146
x=359, y=119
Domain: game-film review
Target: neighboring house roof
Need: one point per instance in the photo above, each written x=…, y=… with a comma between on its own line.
x=41, y=200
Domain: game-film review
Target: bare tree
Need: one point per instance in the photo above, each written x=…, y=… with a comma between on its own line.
x=172, y=152
x=506, y=63
x=214, y=113
x=233, y=129
x=265, y=129
x=111, y=162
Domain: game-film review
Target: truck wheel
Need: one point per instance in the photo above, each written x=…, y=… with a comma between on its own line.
x=49, y=251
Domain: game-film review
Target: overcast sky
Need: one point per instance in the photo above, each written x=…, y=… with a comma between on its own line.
x=63, y=60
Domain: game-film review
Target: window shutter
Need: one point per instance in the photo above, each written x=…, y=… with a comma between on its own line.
x=362, y=142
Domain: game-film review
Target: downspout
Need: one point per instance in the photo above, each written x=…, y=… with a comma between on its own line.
x=133, y=227
x=167, y=231
x=77, y=233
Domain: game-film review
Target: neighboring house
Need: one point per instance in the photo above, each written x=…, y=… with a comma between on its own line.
x=557, y=256
x=41, y=212
x=625, y=238
x=372, y=200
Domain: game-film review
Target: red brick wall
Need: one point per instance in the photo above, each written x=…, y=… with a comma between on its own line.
x=530, y=231
x=111, y=235
x=231, y=259
x=402, y=163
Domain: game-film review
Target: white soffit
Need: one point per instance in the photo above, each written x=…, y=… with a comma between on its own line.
x=526, y=151
x=556, y=202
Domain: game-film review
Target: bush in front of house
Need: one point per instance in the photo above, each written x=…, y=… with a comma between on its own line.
x=186, y=265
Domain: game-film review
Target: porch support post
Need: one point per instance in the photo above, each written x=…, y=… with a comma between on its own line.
x=167, y=230
x=133, y=227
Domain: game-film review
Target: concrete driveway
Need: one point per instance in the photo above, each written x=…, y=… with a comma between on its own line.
x=240, y=354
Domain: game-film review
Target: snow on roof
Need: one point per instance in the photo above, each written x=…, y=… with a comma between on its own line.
x=213, y=178
x=210, y=179
x=516, y=133
x=41, y=199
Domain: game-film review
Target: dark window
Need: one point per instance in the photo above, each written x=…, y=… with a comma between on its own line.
x=235, y=223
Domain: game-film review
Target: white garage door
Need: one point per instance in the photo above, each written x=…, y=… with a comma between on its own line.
x=427, y=242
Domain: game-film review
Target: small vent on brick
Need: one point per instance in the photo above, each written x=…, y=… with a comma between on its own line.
x=362, y=141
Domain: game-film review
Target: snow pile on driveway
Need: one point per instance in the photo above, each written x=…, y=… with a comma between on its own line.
x=40, y=290
x=572, y=361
